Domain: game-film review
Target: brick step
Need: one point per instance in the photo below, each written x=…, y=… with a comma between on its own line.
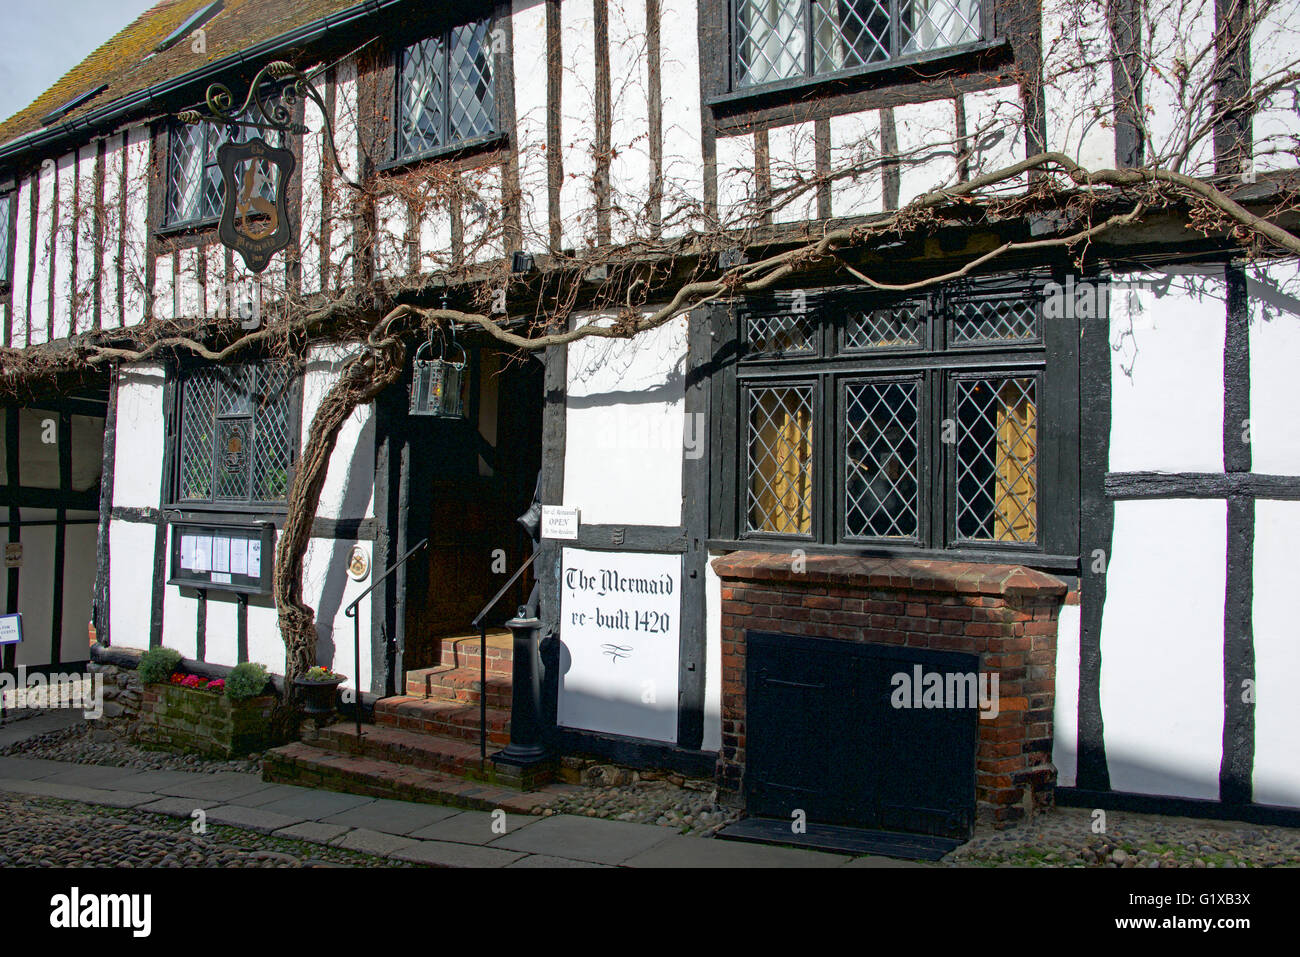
x=458, y=684
x=306, y=765
x=452, y=719
x=462, y=651
x=413, y=748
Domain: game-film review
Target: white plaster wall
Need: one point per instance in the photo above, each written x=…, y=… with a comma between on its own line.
x=1273, y=46
x=1277, y=655
x=435, y=238
x=216, y=297
x=43, y=256
x=110, y=309
x=712, y=658
x=88, y=263
x=189, y=292
x=578, y=125
x=927, y=147
x=995, y=131
x=36, y=589
x=1167, y=372
x=528, y=26
x=390, y=243
x=313, y=185
x=138, y=453
x=1178, y=97
x=737, y=182
x=164, y=287
x=21, y=257
x=264, y=643
x=482, y=215
x=855, y=148
x=347, y=145
x=1065, y=714
x=130, y=583
x=1273, y=291
x=683, y=161
x=329, y=587
x=78, y=586
x=135, y=224
x=1162, y=648
x=625, y=417
x=1077, y=81
x=65, y=226
x=348, y=491
x=792, y=166
x=629, y=169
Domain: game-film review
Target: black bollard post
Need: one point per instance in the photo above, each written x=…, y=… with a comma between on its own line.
x=526, y=745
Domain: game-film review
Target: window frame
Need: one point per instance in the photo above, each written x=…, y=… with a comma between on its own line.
x=208, y=127
x=987, y=39
x=1050, y=357
x=178, y=376
x=398, y=158
x=8, y=235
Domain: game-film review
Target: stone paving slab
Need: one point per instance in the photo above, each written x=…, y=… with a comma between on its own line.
x=253, y=818
x=315, y=805
x=150, y=780
x=221, y=787
x=374, y=842
x=75, y=792
x=272, y=792
x=178, y=807
x=585, y=838
x=312, y=831
x=873, y=860
x=440, y=854
x=91, y=776
x=682, y=851
x=393, y=817
x=546, y=861
x=12, y=732
x=471, y=827
x=31, y=769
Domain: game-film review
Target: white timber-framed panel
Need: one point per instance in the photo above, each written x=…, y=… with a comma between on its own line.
x=1273, y=294
x=1276, y=778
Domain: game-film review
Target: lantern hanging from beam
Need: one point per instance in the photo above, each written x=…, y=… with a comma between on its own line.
x=437, y=380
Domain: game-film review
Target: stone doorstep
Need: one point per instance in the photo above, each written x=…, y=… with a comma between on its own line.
x=463, y=651
x=461, y=684
x=300, y=763
x=449, y=718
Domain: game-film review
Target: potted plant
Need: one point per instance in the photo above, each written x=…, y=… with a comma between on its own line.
x=319, y=688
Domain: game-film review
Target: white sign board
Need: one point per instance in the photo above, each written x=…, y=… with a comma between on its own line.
x=559, y=522
x=11, y=629
x=620, y=618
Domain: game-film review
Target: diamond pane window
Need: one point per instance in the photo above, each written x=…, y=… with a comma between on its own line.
x=881, y=460
x=445, y=93
x=782, y=325
x=776, y=39
x=6, y=218
x=195, y=190
x=994, y=320
x=894, y=326
x=236, y=441
x=997, y=460
x=780, y=460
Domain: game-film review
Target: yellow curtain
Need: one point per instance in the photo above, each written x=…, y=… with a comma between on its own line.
x=1015, y=496
x=781, y=480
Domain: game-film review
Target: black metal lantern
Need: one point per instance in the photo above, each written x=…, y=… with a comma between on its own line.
x=437, y=380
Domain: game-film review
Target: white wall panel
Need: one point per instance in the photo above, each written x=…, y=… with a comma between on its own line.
x=110, y=280
x=578, y=125
x=858, y=186
x=629, y=169
x=1274, y=295
x=314, y=160
x=1178, y=97
x=683, y=161
x=528, y=25
x=164, y=287
x=482, y=215
x=1077, y=82
x=1065, y=715
x=43, y=255
x=737, y=181
x=995, y=132
x=65, y=238
x=21, y=258
x=138, y=454
x=1162, y=648
x=135, y=223
x=1277, y=655
x=348, y=491
x=625, y=404
x=927, y=147
x=347, y=144
x=131, y=582
x=713, y=658
x=1273, y=49
x=88, y=253
x=792, y=166
x=36, y=590
x=1166, y=333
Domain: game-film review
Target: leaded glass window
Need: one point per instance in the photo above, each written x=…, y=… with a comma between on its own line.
x=6, y=221
x=784, y=39
x=195, y=190
x=236, y=436
x=445, y=93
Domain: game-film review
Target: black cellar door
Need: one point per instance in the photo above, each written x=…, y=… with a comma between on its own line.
x=823, y=736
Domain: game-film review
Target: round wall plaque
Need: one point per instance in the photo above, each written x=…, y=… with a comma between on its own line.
x=358, y=563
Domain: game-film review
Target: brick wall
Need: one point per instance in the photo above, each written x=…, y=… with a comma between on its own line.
x=209, y=724
x=1004, y=613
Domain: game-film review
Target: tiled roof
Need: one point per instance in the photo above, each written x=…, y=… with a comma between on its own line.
x=125, y=64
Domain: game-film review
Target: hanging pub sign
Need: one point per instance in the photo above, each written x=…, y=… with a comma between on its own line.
x=256, y=175
x=252, y=225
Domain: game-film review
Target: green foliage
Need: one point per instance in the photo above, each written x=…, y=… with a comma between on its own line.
x=321, y=674
x=247, y=680
x=157, y=664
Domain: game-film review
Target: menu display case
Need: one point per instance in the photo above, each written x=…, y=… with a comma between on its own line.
x=235, y=558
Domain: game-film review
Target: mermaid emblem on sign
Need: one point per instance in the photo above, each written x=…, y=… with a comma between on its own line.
x=255, y=218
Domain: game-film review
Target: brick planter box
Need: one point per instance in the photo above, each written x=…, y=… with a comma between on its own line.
x=210, y=724
x=1005, y=614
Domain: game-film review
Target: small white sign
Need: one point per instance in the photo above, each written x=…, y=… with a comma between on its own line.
x=11, y=629
x=14, y=555
x=559, y=522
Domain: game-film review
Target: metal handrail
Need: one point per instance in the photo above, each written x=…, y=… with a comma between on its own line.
x=351, y=612
x=482, y=658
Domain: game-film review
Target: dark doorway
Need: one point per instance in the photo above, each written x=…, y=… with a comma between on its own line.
x=469, y=481
x=824, y=737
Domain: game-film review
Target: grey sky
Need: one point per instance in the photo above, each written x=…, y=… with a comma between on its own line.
x=44, y=39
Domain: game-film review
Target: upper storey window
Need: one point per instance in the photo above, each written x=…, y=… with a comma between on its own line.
x=787, y=39
x=6, y=216
x=445, y=93
x=194, y=186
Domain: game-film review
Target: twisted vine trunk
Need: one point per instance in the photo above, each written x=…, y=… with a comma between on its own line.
x=362, y=378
